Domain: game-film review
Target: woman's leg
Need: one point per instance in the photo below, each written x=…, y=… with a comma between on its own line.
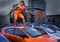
x=15, y=18
x=21, y=16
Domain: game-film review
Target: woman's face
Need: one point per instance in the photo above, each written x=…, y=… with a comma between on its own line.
x=21, y=3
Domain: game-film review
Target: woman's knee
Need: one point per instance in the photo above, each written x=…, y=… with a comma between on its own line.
x=22, y=17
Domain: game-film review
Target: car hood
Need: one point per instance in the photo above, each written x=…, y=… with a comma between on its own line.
x=56, y=35
x=44, y=38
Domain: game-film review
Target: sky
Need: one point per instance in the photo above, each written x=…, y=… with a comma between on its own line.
x=52, y=6
x=6, y=5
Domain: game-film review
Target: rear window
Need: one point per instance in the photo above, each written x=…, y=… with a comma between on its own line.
x=15, y=31
x=10, y=30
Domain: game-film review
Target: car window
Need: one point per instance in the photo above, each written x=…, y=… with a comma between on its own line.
x=49, y=30
x=19, y=33
x=32, y=32
x=41, y=30
x=53, y=28
x=10, y=30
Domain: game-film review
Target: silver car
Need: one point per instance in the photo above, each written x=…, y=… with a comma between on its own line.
x=52, y=33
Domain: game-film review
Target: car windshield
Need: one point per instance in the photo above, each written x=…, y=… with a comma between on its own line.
x=52, y=27
x=49, y=30
x=32, y=32
x=41, y=30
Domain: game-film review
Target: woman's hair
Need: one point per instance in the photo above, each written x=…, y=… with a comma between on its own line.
x=23, y=2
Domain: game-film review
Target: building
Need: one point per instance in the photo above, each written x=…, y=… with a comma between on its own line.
x=35, y=6
x=53, y=11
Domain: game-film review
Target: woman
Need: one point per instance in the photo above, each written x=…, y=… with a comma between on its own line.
x=18, y=12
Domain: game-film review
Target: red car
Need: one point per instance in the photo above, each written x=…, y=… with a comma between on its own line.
x=21, y=34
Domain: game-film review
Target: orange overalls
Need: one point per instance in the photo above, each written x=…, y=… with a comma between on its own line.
x=18, y=13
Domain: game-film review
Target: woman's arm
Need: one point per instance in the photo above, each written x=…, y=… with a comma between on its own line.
x=10, y=11
x=27, y=11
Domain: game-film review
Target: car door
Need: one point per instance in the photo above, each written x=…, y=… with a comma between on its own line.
x=21, y=34
x=14, y=34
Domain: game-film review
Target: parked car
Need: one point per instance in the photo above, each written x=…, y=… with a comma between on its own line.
x=21, y=34
x=3, y=38
x=53, y=27
x=53, y=33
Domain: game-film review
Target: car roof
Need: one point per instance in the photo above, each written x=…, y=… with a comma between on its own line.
x=17, y=27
